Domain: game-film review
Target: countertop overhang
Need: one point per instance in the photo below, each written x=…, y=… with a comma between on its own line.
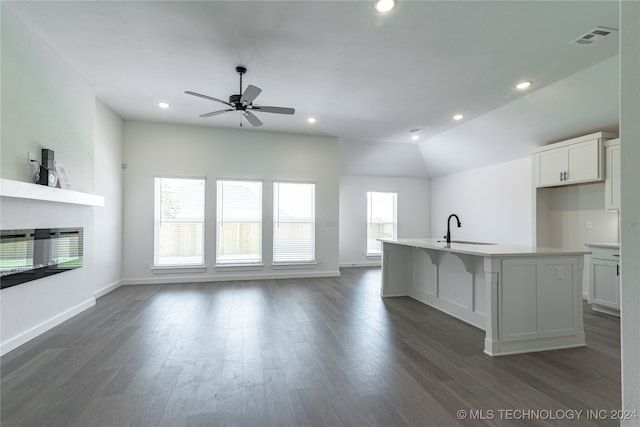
x=484, y=250
x=604, y=245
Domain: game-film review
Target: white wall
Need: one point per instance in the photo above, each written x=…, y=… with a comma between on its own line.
x=153, y=149
x=563, y=214
x=369, y=158
x=44, y=104
x=630, y=209
x=108, y=183
x=413, y=212
x=494, y=203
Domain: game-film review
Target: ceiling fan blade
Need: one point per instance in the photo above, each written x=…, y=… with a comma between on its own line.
x=277, y=110
x=250, y=93
x=255, y=121
x=215, y=113
x=199, y=95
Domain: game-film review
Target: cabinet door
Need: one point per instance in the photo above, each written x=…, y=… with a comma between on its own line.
x=604, y=284
x=551, y=164
x=584, y=162
x=612, y=178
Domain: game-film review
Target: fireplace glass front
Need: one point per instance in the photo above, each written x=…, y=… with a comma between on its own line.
x=32, y=254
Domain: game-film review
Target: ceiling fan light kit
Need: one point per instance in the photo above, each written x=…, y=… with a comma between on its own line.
x=243, y=101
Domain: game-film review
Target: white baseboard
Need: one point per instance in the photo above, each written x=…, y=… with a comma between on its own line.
x=110, y=288
x=43, y=327
x=361, y=264
x=229, y=277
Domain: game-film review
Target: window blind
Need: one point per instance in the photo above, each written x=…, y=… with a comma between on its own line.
x=178, y=222
x=294, y=222
x=239, y=222
x=381, y=220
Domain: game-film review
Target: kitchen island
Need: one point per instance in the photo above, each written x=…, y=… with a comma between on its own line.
x=525, y=298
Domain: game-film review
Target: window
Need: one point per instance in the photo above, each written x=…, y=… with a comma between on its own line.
x=239, y=222
x=178, y=222
x=381, y=220
x=294, y=222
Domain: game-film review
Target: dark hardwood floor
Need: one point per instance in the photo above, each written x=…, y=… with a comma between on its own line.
x=295, y=353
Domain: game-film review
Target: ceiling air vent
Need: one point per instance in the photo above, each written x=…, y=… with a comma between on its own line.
x=593, y=36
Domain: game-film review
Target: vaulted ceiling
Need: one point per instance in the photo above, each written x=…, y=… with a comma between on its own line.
x=368, y=78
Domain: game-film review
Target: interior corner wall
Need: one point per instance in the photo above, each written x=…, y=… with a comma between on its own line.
x=157, y=150
x=630, y=206
x=494, y=203
x=108, y=183
x=412, y=210
x=45, y=103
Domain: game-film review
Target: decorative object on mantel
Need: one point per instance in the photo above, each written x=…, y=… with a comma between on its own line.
x=46, y=175
x=63, y=178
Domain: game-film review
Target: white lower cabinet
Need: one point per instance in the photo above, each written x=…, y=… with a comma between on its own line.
x=604, y=280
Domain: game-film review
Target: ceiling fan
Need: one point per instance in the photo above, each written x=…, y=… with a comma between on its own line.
x=244, y=102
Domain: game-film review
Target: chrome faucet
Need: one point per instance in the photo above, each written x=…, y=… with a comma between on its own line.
x=448, y=236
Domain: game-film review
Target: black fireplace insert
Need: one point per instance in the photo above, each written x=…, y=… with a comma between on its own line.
x=32, y=254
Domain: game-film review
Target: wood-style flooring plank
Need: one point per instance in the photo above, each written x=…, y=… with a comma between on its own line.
x=294, y=352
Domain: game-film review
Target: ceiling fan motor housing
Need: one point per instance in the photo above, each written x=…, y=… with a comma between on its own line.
x=235, y=101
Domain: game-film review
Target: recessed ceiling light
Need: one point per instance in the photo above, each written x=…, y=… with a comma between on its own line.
x=311, y=119
x=523, y=85
x=163, y=105
x=415, y=134
x=384, y=6
x=458, y=117
x=415, y=137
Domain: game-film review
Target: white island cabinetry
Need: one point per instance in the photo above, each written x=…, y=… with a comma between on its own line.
x=525, y=299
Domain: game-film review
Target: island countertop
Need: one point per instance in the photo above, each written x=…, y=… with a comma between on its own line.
x=483, y=249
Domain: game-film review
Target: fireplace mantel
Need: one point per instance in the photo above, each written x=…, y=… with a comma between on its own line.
x=26, y=190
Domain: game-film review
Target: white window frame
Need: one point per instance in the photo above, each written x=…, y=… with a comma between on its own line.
x=369, y=220
x=310, y=261
x=220, y=220
x=159, y=266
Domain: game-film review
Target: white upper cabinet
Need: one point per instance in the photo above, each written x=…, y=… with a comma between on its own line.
x=612, y=175
x=574, y=161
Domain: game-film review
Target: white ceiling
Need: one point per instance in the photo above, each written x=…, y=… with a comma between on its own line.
x=366, y=77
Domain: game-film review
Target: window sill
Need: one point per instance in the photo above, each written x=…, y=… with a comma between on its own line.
x=178, y=269
x=373, y=256
x=292, y=265
x=239, y=267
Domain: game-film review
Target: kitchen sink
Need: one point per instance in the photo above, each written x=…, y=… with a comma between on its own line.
x=465, y=242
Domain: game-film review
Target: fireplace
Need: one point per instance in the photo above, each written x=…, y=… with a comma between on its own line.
x=32, y=254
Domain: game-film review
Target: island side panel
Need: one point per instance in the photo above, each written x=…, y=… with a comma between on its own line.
x=450, y=282
x=424, y=275
x=539, y=305
x=396, y=270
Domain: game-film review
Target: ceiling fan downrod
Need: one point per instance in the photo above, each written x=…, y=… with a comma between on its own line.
x=241, y=70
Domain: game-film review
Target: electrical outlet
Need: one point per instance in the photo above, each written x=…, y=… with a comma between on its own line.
x=31, y=158
x=559, y=272
x=588, y=225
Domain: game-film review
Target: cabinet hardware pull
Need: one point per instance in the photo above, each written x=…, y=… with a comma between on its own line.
x=560, y=176
x=617, y=269
x=616, y=255
x=565, y=175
